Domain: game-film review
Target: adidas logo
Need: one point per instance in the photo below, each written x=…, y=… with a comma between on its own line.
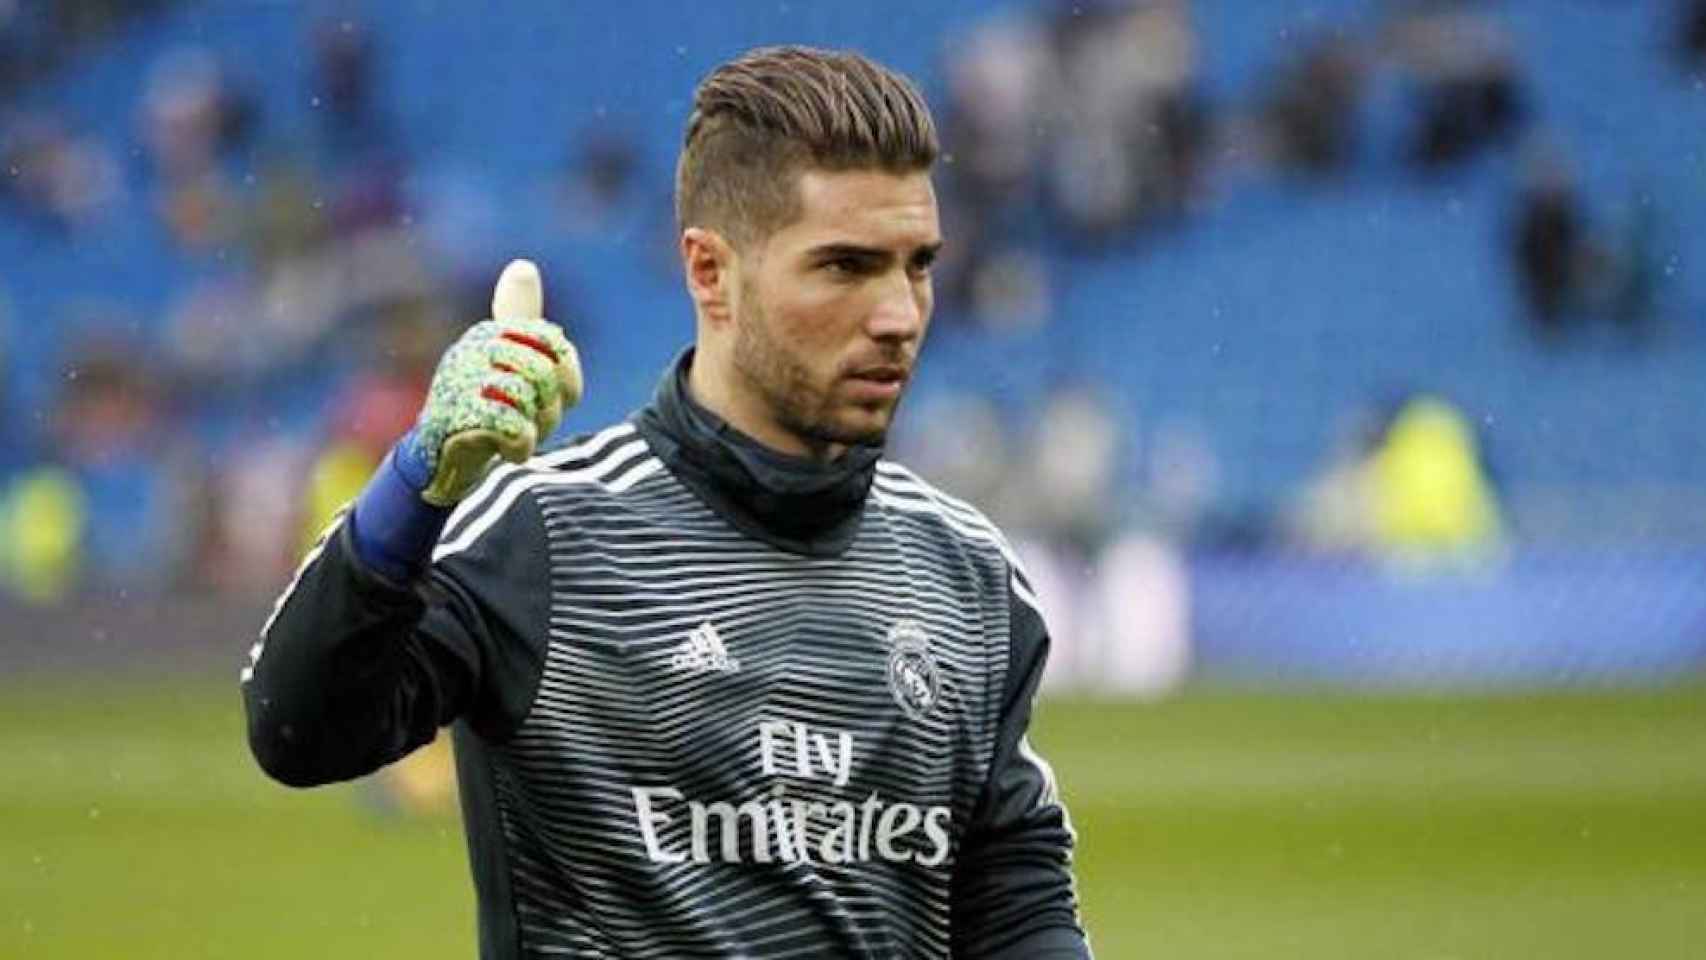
x=703, y=652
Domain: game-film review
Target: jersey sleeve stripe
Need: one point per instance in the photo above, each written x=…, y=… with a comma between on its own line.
x=633, y=454
x=1025, y=594
x=476, y=502
x=902, y=490
x=278, y=605
x=903, y=479
x=1050, y=796
x=922, y=500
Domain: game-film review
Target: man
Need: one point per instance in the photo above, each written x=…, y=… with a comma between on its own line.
x=724, y=683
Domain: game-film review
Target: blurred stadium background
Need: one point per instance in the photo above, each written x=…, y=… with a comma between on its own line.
x=1339, y=367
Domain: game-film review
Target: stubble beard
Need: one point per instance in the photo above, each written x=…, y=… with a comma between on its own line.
x=798, y=405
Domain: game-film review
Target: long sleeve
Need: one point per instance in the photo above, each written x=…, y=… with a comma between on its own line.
x=354, y=670
x=1013, y=890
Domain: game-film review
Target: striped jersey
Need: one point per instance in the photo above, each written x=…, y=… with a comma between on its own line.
x=706, y=701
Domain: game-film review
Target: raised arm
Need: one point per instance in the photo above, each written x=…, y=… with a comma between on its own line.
x=370, y=650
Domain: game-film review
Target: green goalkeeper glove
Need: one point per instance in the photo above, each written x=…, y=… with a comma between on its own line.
x=498, y=392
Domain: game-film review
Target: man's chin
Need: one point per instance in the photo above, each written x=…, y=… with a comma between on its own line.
x=859, y=430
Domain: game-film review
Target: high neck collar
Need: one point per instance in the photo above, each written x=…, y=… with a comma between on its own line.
x=794, y=503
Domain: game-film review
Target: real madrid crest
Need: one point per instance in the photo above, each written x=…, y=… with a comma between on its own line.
x=914, y=680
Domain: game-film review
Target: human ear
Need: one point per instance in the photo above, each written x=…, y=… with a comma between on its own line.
x=710, y=266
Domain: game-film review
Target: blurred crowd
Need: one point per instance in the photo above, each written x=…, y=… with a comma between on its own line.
x=1086, y=123
x=1080, y=126
x=135, y=485
x=37, y=36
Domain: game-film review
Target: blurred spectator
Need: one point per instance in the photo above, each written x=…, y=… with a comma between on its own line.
x=992, y=276
x=78, y=20
x=1571, y=275
x=43, y=516
x=253, y=512
x=1550, y=247
x=1412, y=492
x=1072, y=465
x=191, y=112
x=1095, y=109
x=1335, y=511
x=343, y=70
x=1181, y=477
x=270, y=496
x=1132, y=127
x=53, y=176
x=1432, y=500
x=1470, y=90
x=1312, y=113
x=958, y=441
x=205, y=332
x=238, y=331
x=368, y=195
x=999, y=121
x=201, y=213
x=344, y=86
x=109, y=430
x=1002, y=85
x=286, y=216
x=1692, y=33
x=27, y=43
x=365, y=170
x=38, y=35
x=109, y=401
x=377, y=406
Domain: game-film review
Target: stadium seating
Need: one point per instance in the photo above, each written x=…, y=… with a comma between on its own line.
x=1260, y=321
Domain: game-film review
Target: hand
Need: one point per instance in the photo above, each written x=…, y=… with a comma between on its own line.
x=498, y=391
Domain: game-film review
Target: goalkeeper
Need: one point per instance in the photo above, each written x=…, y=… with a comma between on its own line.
x=722, y=681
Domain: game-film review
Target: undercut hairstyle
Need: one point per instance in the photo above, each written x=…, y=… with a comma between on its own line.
x=761, y=120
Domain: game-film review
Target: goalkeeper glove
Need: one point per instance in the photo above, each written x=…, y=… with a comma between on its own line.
x=498, y=392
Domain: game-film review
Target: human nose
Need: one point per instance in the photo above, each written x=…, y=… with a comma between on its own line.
x=901, y=309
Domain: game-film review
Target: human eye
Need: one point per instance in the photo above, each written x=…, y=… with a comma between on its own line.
x=847, y=266
x=922, y=262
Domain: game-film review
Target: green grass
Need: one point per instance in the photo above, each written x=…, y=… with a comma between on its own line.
x=132, y=824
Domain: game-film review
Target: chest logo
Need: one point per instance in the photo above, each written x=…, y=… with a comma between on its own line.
x=703, y=652
x=914, y=679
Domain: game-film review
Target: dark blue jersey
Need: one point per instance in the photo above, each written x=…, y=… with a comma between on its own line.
x=701, y=709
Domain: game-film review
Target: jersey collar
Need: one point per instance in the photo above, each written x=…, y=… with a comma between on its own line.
x=793, y=503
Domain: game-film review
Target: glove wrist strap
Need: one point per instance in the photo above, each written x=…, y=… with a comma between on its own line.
x=393, y=528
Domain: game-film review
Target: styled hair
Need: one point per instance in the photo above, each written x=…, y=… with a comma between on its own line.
x=763, y=118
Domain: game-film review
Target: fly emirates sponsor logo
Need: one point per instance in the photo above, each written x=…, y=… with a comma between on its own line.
x=789, y=829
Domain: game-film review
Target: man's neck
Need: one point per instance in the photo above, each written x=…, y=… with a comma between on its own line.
x=722, y=396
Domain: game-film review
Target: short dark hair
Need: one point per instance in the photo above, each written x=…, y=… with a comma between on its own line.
x=762, y=118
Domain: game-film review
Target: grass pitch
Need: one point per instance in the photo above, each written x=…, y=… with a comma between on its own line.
x=1215, y=825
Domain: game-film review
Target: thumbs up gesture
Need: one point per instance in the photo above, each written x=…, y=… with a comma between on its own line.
x=498, y=391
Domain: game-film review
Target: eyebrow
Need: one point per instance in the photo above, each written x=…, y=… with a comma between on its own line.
x=831, y=251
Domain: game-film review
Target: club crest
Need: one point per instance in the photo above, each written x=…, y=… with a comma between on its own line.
x=914, y=679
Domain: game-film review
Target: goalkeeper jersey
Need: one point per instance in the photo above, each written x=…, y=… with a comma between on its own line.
x=707, y=701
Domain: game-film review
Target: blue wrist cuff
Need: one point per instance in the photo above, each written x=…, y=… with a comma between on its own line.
x=392, y=527
x=411, y=460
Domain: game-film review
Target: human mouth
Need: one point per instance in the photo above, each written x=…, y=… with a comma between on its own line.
x=880, y=382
